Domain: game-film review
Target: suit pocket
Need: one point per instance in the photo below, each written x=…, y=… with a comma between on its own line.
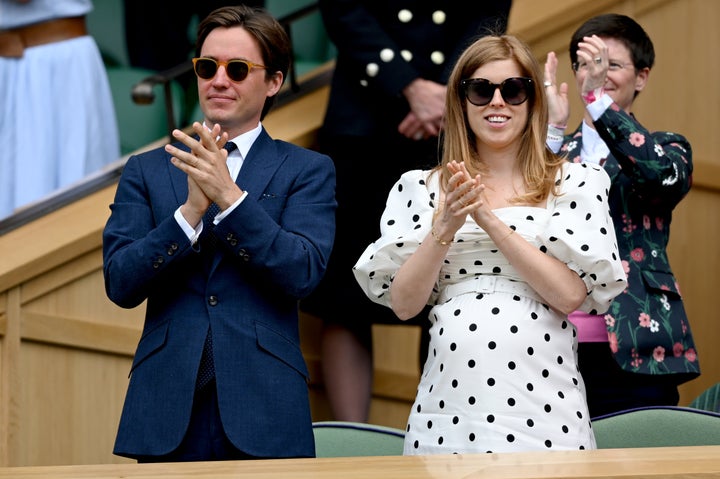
x=660, y=282
x=281, y=347
x=273, y=204
x=151, y=341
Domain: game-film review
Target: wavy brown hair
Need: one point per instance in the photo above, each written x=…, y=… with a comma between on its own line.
x=539, y=165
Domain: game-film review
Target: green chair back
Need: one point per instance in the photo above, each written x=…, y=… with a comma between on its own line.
x=140, y=125
x=347, y=439
x=311, y=45
x=708, y=400
x=662, y=426
x=106, y=23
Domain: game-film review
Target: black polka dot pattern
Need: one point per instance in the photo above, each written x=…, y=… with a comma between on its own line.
x=501, y=375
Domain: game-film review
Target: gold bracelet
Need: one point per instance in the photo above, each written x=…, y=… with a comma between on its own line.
x=507, y=236
x=437, y=238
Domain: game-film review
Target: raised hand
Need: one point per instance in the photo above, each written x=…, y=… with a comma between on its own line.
x=463, y=196
x=206, y=166
x=557, y=95
x=593, y=63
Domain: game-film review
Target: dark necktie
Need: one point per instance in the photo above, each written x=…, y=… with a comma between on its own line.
x=206, y=372
x=213, y=210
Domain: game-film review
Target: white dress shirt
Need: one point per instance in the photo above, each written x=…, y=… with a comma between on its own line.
x=234, y=162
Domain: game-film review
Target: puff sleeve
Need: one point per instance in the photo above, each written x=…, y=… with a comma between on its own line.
x=580, y=232
x=404, y=224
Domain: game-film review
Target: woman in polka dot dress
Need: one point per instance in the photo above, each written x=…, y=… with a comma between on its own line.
x=504, y=239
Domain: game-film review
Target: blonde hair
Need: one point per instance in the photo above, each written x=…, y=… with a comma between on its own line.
x=538, y=164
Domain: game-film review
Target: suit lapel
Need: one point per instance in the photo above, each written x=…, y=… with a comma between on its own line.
x=258, y=169
x=178, y=178
x=259, y=166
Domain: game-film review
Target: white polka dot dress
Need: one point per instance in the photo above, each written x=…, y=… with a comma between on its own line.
x=501, y=373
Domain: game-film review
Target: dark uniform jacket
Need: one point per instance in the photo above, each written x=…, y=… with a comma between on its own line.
x=383, y=45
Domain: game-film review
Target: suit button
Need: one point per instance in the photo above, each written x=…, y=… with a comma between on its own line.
x=171, y=250
x=213, y=300
x=244, y=255
x=158, y=262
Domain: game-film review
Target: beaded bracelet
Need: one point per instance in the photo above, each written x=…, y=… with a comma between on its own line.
x=556, y=130
x=437, y=238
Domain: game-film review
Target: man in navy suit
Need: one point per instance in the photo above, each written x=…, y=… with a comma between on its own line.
x=218, y=373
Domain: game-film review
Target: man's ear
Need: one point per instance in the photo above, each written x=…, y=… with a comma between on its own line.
x=274, y=83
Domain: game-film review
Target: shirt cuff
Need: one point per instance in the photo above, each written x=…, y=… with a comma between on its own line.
x=598, y=107
x=221, y=216
x=192, y=233
x=554, y=145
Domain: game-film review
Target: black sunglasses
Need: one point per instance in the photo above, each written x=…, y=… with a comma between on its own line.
x=480, y=91
x=237, y=70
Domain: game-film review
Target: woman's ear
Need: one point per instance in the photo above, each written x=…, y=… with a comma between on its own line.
x=641, y=79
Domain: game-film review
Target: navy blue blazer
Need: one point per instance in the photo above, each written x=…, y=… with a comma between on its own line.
x=273, y=250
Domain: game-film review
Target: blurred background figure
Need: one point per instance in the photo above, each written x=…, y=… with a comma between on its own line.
x=383, y=118
x=57, y=122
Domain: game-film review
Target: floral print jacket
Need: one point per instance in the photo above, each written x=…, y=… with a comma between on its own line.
x=650, y=173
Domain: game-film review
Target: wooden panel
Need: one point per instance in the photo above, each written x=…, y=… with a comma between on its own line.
x=54, y=239
x=70, y=405
x=9, y=379
x=300, y=122
x=78, y=334
x=659, y=463
x=695, y=258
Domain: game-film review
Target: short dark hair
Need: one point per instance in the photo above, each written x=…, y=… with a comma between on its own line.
x=621, y=28
x=271, y=37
